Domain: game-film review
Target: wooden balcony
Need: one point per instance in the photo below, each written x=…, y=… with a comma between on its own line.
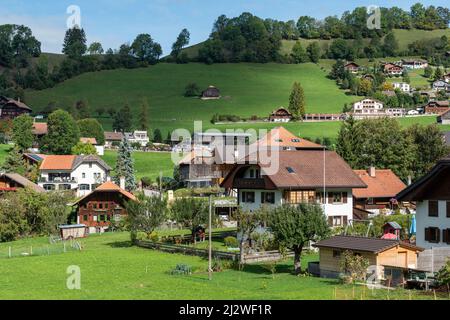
x=246, y=183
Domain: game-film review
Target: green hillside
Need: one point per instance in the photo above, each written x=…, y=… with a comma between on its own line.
x=247, y=89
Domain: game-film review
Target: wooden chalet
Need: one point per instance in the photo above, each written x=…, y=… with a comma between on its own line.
x=352, y=67
x=280, y=115
x=10, y=108
x=106, y=203
x=392, y=69
x=436, y=107
x=211, y=93
x=10, y=182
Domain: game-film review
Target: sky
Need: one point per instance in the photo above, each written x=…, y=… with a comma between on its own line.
x=114, y=22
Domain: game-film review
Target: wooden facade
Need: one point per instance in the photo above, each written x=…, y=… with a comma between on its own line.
x=10, y=109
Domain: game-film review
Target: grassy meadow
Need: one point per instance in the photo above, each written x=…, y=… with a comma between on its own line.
x=111, y=269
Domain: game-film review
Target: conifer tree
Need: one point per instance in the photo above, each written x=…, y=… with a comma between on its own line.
x=297, y=101
x=125, y=166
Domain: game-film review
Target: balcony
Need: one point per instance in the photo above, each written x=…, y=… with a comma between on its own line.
x=58, y=180
x=246, y=183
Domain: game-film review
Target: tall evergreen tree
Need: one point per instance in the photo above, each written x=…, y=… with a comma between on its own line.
x=125, y=166
x=14, y=162
x=75, y=43
x=297, y=103
x=347, y=141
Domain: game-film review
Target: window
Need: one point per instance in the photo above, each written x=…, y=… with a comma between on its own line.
x=94, y=206
x=83, y=175
x=337, y=221
x=448, y=209
x=337, y=197
x=446, y=236
x=49, y=187
x=336, y=254
x=433, y=208
x=64, y=187
x=248, y=197
x=84, y=187
x=85, y=217
x=90, y=165
x=432, y=234
x=252, y=173
x=100, y=205
x=295, y=197
x=268, y=197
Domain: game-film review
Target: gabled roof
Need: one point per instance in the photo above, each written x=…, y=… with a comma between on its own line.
x=372, y=245
x=108, y=187
x=92, y=141
x=282, y=138
x=17, y=103
x=418, y=190
x=70, y=162
x=113, y=136
x=17, y=178
x=305, y=169
x=385, y=184
x=40, y=128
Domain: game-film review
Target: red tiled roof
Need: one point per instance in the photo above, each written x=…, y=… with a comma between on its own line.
x=53, y=162
x=280, y=137
x=108, y=187
x=40, y=128
x=385, y=184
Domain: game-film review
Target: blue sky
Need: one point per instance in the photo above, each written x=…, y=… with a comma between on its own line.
x=113, y=22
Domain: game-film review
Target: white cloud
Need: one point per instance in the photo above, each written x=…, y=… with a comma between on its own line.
x=48, y=30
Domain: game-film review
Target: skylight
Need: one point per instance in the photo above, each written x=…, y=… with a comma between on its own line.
x=290, y=170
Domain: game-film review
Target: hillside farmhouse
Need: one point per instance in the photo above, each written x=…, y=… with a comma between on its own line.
x=402, y=86
x=352, y=67
x=439, y=85
x=112, y=138
x=10, y=182
x=140, y=137
x=10, y=108
x=414, y=63
x=392, y=69
x=82, y=174
x=92, y=141
x=432, y=195
x=280, y=115
x=436, y=107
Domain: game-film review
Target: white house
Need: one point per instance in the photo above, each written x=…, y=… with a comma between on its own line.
x=368, y=108
x=432, y=195
x=100, y=149
x=140, y=137
x=294, y=177
x=402, y=86
x=414, y=64
x=82, y=174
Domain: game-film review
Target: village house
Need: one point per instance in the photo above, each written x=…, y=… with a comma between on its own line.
x=439, y=85
x=140, y=137
x=368, y=108
x=212, y=93
x=302, y=176
x=105, y=204
x=352, y=67
x=392, y=69
x=382, y=187
x=280, y=138
x=381, y=253
x=432, y=196
x=112, y=139
x=82, y=174
x=414, y=64
x=280, y=115
x=10, y=108
x=444, y=118
x=402, y=86
x=13, y=181
x=436, y=107
x=92, y=141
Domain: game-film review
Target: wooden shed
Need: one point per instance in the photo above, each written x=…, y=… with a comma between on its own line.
x=379, y=253
x=74, y=231
x=211, y=93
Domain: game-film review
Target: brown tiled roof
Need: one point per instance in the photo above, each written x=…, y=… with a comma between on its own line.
x=40, y=128
x=57, y=162
x=113, y=136
x=88, y=140
x=18, y=104
x=373, y=245
x=108, y=187
x=280, y=137
x=440, y=103
x=24, y=181
x=385, y=184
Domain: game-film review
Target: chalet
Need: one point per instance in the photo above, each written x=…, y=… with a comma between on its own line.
x=439, y=85
x=436, y=107
x=13, y=181
x=10, y=109
x=352, y=67
x=211, y=93
x=414, y=64
x=82, y=174
x=432, y=196
x=392, y=69
x=293, y=177
x=444, y=118
x=368, y=108
x=381, y=253
x=105, y=204
x=402, y=86
x=92, y=141
x=281, y=139
x=280, y=115
x=113, y=138
x=382, y=187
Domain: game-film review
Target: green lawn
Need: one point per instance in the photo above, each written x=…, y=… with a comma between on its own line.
x=147, y=164
x=247, y=89
x=111, y=269
x=4, y=149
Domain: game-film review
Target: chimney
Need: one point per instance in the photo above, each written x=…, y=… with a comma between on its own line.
x=409, y=180
x=122, y=183
x=372, y=172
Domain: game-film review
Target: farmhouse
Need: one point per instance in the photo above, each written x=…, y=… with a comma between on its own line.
x=415, y=64
x=392, y=69
x=112, y=138
x=352, y=67
x=382, y=187
x=281, y=139
x=439, y=85
x=82, y=174
x=10, y=109
x=293, y=177
x=381, y=253
x=280, y=115
x=211, y=93
x=436, y=107
x=444, y=118
x=13, y=181
x=432, y=195
x=105, y=204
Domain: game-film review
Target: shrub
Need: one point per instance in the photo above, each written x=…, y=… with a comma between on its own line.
x=231, y=242
x=443, y=276
x=217, y=265
x=353, y=267
x=192, y=90
x=154, y=237
x=182, y=269
x=141, y=236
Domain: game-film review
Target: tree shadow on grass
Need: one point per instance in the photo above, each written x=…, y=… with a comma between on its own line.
x=120, y=244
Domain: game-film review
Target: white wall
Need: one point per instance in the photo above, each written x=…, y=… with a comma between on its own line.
x=424, y=221
x=257, y=204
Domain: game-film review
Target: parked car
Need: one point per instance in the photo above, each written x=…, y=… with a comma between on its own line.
x=413, y=112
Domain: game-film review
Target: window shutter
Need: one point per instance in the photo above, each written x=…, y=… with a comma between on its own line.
x=344, y=196
x=345, y=220
x=448, y=209
x=438, y=235
x=445, y=235
x=427, y=234
x=330, y=221
x=330, y=197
